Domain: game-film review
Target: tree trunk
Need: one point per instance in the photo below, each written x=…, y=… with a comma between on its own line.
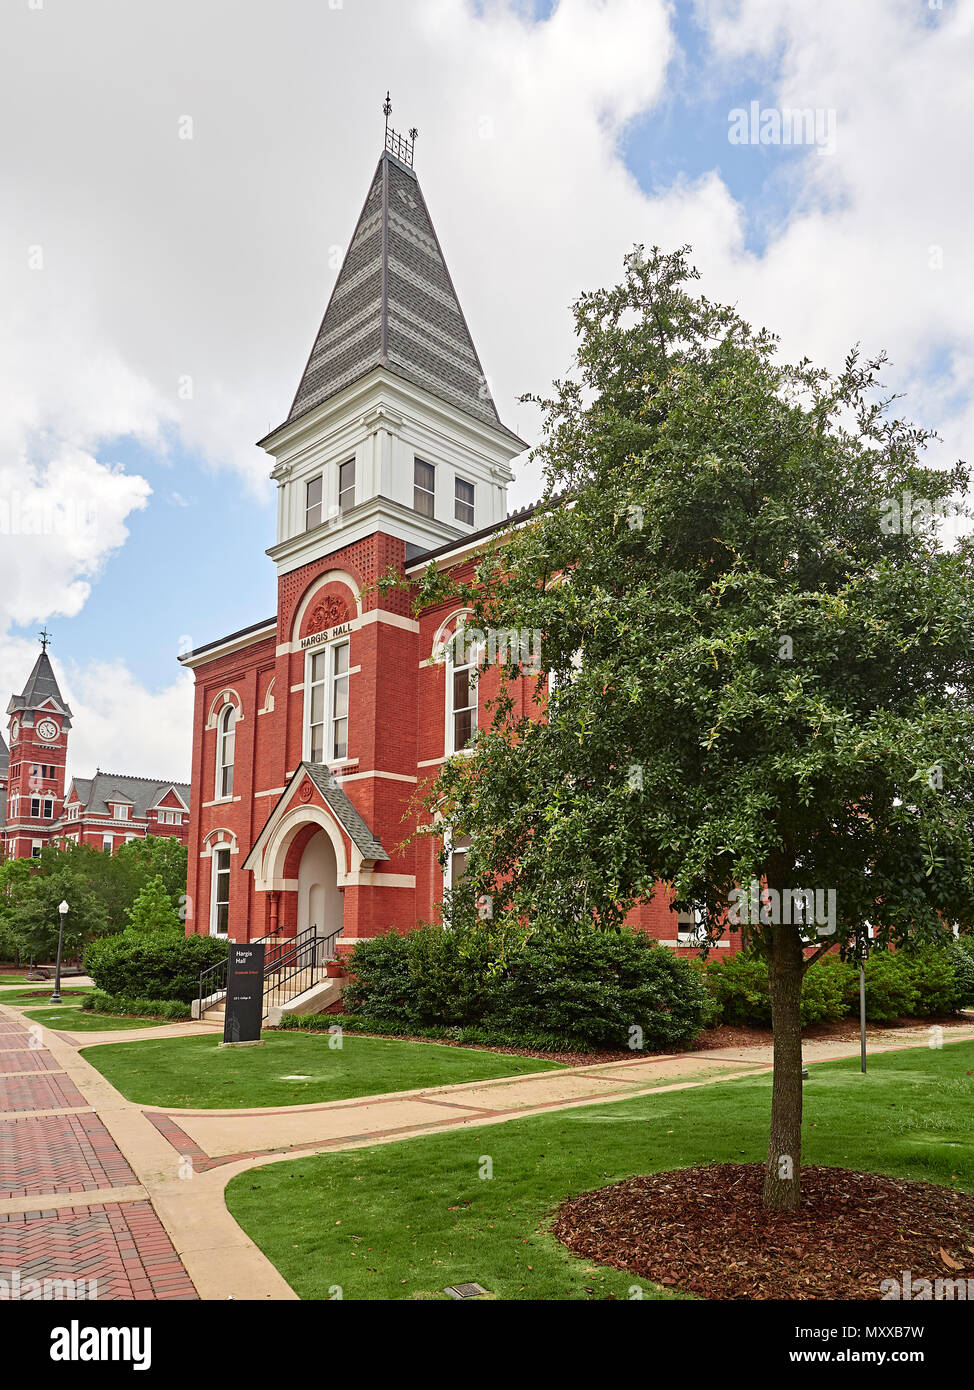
x=782, y=1178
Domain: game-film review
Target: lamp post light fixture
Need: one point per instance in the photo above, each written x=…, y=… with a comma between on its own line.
x=62, y=913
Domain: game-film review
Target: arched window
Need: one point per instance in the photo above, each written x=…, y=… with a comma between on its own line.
x=224, y=751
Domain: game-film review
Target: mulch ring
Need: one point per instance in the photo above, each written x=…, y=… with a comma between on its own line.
x=703, y=1230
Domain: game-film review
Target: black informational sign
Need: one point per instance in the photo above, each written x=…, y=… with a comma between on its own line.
x=245, y=993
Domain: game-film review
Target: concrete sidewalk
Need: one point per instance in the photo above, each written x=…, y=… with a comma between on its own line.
x=181, y=1160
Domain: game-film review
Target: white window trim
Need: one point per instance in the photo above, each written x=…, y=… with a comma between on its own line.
x=218, y=793
x=327, y=650
x=459, y=502
x=448, y=867
x=214, y=876
x=449, y=745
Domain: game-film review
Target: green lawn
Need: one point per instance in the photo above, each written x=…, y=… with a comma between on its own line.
x=36, y=995
x=12, y=980
x=197, y=1073
x=76, y=1020
x=404, y=1220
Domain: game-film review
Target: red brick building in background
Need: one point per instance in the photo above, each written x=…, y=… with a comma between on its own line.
x=315, y=729
x=104, y=811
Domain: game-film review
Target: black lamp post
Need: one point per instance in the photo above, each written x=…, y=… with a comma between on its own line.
x=62, y=913
x=862, y=955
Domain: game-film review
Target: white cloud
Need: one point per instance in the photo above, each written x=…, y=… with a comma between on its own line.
x=183, y=279
x=122, y=727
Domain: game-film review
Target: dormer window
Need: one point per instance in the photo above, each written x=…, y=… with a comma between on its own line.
x=463, y=505
x=424, y=487
x=312, y=506
x=119, y=811
x=346, y=485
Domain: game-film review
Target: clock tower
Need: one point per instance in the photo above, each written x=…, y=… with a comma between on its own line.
x=37, y=734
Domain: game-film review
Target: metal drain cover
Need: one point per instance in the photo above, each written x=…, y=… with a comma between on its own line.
x=464, y=1290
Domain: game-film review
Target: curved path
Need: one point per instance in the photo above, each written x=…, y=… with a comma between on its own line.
x=95, y=1186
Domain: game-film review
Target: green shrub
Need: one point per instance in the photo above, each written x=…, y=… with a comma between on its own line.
x=382, y=983
x=825, y=990
x=152, y=967
x=597, y=988
x=962, y=951
x=739, y=987
x=933, y=972
x=547, y=990
x=98, y=1002
x=890, y=990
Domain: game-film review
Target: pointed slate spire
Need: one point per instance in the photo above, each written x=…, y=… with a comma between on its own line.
x=41, y=686
x=4, y=763
x=394, y=305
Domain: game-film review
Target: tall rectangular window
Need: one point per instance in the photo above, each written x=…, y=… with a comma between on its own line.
x=424, y=487
x=107, y=843
x=339, y=701
x=35, y=808
x=220, y=916
x=463, y=506
x=312, y=509
x=326, y=704
x=462, y=695
x=346, y=485
x=316, y=697
x=48, y=808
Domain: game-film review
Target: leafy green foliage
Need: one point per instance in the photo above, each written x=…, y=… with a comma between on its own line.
x=760, y=680
x=963, y=953
x=100, y=890
x=590, y=989
x=165, y=966
x=120, y=1005
x=153, y=911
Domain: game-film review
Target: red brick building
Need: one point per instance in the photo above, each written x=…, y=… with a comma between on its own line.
x=315, y=729
x=104, y=811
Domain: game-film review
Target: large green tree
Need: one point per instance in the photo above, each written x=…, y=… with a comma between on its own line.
x=100, y=890
x=764, y=647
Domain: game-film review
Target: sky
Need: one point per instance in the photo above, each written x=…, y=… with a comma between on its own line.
x=181, y=177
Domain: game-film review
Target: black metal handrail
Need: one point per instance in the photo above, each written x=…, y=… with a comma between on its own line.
x=213, y=980
x=296, y=965
x=291, y=966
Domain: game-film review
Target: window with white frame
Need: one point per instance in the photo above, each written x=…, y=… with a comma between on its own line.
x=220, y=890
x=463, y=661
x=225, y=739
x=346, y=485
x=48, y=808
x=424, y=487
x=455, y=871
x=35, y=808
x=326, y=704
x=120, y=812
x=107, y=843
x=312, y=503
x=35, y=849
x=692, y=926
x=463, y=504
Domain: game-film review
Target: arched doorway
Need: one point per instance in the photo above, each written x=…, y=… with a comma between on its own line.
x=320, y=903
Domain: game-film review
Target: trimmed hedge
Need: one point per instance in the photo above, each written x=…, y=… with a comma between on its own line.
x=152, y=967
x=120, y=1005
x=924, y=982
x=548, y=990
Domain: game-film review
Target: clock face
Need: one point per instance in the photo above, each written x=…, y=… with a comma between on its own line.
x=15, y=731
x=47, y=729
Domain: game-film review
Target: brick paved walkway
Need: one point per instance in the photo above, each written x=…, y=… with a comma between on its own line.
x=108, y=1249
